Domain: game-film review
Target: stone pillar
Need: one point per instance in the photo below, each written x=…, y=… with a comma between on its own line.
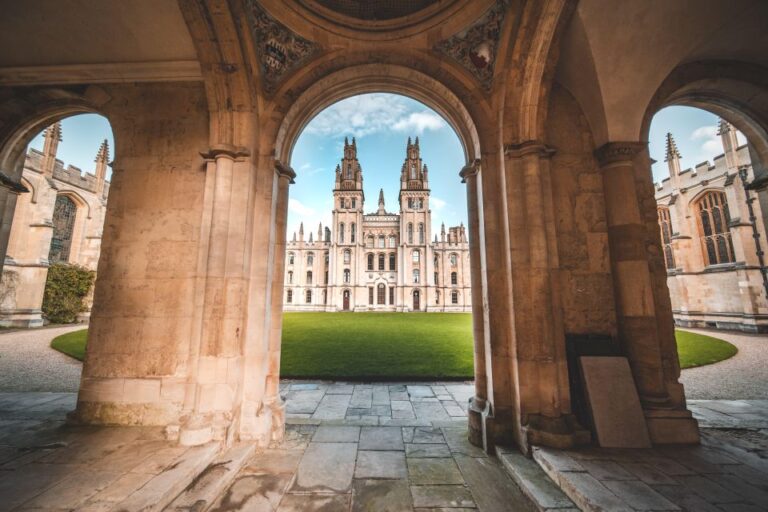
x=545, y=407
x=479, y=409
x=643, y=308
x=284, y=178
x=218, y=373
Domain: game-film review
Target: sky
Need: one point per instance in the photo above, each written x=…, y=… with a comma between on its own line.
x=694, y=131
x=381, y=124
x=81, y=137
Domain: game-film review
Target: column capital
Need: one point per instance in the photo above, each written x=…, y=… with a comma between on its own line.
x=518, y=150
x=613, y=152
x=225, y=151
x=285, y=171
x=470, y=170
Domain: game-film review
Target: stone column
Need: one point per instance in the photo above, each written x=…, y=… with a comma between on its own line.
x=284, y=178
x=643, y=308
x=217, y=378
x=478, y=407
x=545, y=407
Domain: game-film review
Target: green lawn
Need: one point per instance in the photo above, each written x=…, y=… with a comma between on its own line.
x=72, y=344
x=396, y=346
x=700, y=350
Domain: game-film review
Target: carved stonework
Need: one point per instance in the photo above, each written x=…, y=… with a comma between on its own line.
x=613, y=152
x=475, y=47
x=280, y=51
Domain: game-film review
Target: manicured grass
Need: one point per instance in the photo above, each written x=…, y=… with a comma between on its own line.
x=699, y=350
x=377, y=345
x=72, y=344
x=396, y=346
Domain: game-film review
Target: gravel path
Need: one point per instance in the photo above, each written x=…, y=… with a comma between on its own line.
x=28, y=363
x=744, y=376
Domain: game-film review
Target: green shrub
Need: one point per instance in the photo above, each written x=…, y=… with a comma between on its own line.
x=66, y=287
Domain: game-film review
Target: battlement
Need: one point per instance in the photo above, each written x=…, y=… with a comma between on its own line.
x=70, y=175
x=704, y=171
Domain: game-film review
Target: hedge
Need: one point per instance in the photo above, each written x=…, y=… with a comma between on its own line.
x=66, y=287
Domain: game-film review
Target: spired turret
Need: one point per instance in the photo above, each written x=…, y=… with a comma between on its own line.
x=672, y=156
x=349, y=174
x=382, y=210
x=413, y=175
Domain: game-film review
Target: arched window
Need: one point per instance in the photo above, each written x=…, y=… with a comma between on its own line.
x=437, y=297
x=310, y=258
x=665, y=224
x=369, y=241
x=290, y=277
x=416, y=275
x=64, y=213
x=454, y=278
x=416, y=255
x=392, y=261
x=347, y=256
x=290, y=258
x=370, y=261
x=392, y=241
x=410, y=233
x=381, y=242
x=354, y=203
x=341, y=233
x=454, y=297
x=289, y=296
x=715, y=232
x=346, y=275
x=454, y=259
x=381, y=294
x=309, y=277
x=352, y=232
x=421, y=232
x=309, y=296
x=381, y=261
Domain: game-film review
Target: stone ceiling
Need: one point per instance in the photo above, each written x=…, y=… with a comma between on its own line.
x=375, y=10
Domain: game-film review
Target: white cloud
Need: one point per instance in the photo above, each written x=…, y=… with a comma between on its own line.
x=417, y=122
x=368, y=114
x=437, y=203
x=709, y=142
x=299, y=208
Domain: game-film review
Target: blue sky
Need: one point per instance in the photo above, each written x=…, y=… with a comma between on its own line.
x=81, y=137
x=381, y=124
x=694, y=131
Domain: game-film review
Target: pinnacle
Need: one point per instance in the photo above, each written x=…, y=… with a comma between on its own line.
x=672, y=151
x=54, y=131
x=103, y=153
x=723, y=127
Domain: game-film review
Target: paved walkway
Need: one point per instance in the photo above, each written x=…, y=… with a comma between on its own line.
x=28, y=363
x=744, y=376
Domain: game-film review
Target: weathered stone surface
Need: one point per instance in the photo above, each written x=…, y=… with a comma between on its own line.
x=313, y=474
x=381, y=496
x=427, y=450
x=449, y=496
x=534, y=482
x=380, y=464
x=491, y=487
x=381, y=438
x=314, y=503
x=336, y=434
x=428, y=471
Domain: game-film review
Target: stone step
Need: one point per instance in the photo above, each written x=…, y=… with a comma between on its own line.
x=162, y=489
x=203, y=490
x=534, y=482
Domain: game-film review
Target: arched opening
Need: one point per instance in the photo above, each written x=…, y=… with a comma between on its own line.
x=411, y=220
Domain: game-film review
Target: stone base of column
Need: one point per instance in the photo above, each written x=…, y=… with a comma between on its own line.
x=672, y=426
x=196, y=431
x=561, y=432
x=480, y=433
x=278, y=420
x=22, y=319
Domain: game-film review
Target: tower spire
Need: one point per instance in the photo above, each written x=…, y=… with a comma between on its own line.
x=52, y=137
x=382, y=210
x=727, y=134
x=102, y=160
x=672, y=156
x=301, y=231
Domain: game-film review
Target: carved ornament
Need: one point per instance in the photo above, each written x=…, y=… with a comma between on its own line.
x=613, y=152
x=280, y=51
x=475, y=47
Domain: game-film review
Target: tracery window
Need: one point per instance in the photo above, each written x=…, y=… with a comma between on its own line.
x=346, y=275
x=381, y=294
x=289, y=296
x=354, y=202
x=381, y=261
x=421, y=233
x=392, y=261
x=416, y=255
x=416, y=275
x=665, y=224
x=369, y=242
x=310, y=258
x=352, y=232
x=453, y=259
x=391, y=295
x=392, y=241
x=341, y=233
x=454, y=278
x=454, y=297
x=370, y=261
x=370, y=295
x=347, y=256
x=290, y=258
x=309, y=277
x=410, y=233
x=309, y=296
x=290, y=277
x=382, y=241
x=715, y=233
x=64, y=213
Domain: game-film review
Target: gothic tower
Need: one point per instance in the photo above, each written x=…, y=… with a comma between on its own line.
x=348, y=197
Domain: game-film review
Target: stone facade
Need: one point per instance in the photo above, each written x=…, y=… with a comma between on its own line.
x=713, y=237
x=60, y=219
x=379, y=261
